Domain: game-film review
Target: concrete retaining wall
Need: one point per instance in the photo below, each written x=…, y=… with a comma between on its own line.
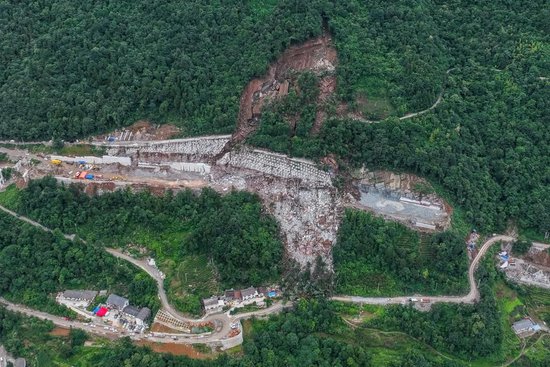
x=277, y=165
x=232, y=342
x=207, y=146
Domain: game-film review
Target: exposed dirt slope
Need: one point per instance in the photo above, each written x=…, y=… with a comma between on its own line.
x=317, y=55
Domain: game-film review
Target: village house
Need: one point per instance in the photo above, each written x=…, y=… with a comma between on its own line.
x=84, y=296
x=525, y=326
x=212, y=304
x=249, y=293
x=139, y=315
x=117, y=302
x=229, y=295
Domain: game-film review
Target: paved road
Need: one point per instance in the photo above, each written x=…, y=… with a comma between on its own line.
x=471, y=297
x=222, y=321
x=32, y=222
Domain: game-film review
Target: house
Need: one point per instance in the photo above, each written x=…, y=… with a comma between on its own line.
x=262, y=291
x=525, y=325
x=117, y=302
x=140, y=315
x=210, y=303
x=20, y=362
x=80, y=295
x=229, y=295
x=249, y=293
x=143, y=315
x=131, y=311
x=238, y=296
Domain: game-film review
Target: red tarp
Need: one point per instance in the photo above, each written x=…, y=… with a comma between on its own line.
x=102, y=312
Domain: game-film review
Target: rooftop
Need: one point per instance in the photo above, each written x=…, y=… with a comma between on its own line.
x=117, y=301
x=248, y=292
x=144, y=314
x=212, y=301
x=131, y=310
x=523, y=325
x=80, y=294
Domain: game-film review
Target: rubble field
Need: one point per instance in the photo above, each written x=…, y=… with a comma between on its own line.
x=300, y=196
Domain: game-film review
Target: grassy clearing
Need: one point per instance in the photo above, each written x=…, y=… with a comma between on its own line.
x=190, y=280
x=76, y=149
x=376, y=108
x=10, y=197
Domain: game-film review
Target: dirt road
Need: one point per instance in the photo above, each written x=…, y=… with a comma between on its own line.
x=408, y=115
x=471, y=297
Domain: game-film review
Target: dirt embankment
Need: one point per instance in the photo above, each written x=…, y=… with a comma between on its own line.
x=175, y=349
x=316, y=55
x=142, y=130
x=59, y=331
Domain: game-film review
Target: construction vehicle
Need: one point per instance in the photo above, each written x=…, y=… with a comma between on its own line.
x=57, y=162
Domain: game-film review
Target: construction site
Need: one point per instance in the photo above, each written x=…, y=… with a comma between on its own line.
x=403, y=197
x=531, y=269
x=297, y=192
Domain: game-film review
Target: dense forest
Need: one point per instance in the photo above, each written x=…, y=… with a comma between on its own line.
x=232, y=230
x=470, y=331
x=486, y=143
x=69, y=71
x=37, y=264
x=379, y=258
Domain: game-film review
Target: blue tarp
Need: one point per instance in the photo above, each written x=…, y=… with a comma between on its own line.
x=81, y=162
x=95, y=310
x=504, y=257
x=272, y=294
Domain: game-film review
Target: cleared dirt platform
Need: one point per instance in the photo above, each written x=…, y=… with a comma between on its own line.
x=403, y=197
x=175, y=349
x=142, y=130
x=59, y=331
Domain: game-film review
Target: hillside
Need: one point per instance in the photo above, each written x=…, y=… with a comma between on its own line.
x=69, y=70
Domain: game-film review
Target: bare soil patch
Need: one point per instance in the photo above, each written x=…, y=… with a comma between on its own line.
x=59, y=331
x=317, y=55
x=160, y=328
x=539, y=258
x=174, y=349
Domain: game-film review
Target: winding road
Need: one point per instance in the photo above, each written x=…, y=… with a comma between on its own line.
x=408, y=115
x=471, y=297
x=222, y=321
